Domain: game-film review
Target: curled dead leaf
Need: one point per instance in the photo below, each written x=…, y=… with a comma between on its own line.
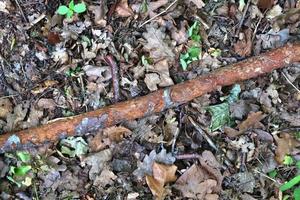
x=243, y=47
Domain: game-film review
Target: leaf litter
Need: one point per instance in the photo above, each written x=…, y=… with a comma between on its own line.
x=53, y=67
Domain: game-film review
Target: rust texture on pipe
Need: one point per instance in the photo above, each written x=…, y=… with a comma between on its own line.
x=154, y=102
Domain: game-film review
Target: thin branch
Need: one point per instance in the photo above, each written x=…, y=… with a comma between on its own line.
x=159, y=14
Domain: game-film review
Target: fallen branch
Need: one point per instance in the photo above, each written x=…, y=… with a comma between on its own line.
x=152, y=103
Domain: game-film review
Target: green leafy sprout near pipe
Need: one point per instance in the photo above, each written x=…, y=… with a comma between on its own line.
x=194, y=51
x=71, y=8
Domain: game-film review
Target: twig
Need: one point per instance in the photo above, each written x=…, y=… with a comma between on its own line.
x=115, y=76
x=159, y=14
x=34, y=22
x=21, y=10
x=243, y=18
x=203, y=133
x=255, y=30
x=265, y=176
x=187, y=156
x=290, y=82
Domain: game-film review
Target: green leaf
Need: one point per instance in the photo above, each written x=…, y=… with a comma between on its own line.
x=183, y=64
x=193, y=32
x=288, y=160
x=144, y=7
x=290, y=183
x=23, y=156
x=22, y=170
x=272, y=173
x=194, y=52
x=74, y=146
x=80, y=8
x=298, y=164
x=296, y=193
x=13, y=180
x=216, y=53
x=70, y=13
x=220, y=114
x=62, y=10
x=71, y=5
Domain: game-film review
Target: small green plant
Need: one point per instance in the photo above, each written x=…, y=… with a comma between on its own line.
x=194, y=51
x=18, y=174
x=220, y=113
x=69, y=10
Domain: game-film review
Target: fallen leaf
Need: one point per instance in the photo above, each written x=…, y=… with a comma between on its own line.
x=123, y=10
x=195, y=183
x=198, y=3
x=252, y=121
x=293, y=119
x=53, y=38
x=244, y=182
x=73, y=146
x=152, y=80
x=5, y=107
x=45, y=103
x=156, y=45
x=116, y=133
x=97, y=161
x=150, y=7
x=99, y=12
x=145, y=167
x=60, y=55
x=106, y=177
x=3, y=7
x=156, y=187
x=265, y=4
x=43, y=86
x=162, y=174
x=274, y=12
x=171, y=129
x=243, y=47
x=285, y=145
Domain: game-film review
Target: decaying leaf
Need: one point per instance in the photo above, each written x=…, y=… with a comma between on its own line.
x=244, y=46
x=201, y=180
x=97, y=161
x=105, y=178
x=252, y=121
x=123, y=10
x=99, y=12
x=107, y=137
x=162, y=174
x=293, y=119
x=156, y=45
x=5, y=107
x=171, y=129
x=285, y=145
x=160, y=77
x=145, y=167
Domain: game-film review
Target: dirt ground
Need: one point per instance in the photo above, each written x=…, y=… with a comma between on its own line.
x=63, y=58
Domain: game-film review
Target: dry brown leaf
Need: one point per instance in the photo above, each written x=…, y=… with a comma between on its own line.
x=195, y=183
x=99, y=142
x=156, y=45
x=285, y=145
x=163, y=80
x=116, y=133
x=5, y=107
x=243, y=47
x=45, y=103
x=99, y=12
x=252, y=121
x=106, y=177
x=123, y=10
x=156, y=187
x=45, y=85
x=164, y=173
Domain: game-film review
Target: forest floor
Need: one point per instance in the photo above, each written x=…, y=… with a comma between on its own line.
x=54, y=66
